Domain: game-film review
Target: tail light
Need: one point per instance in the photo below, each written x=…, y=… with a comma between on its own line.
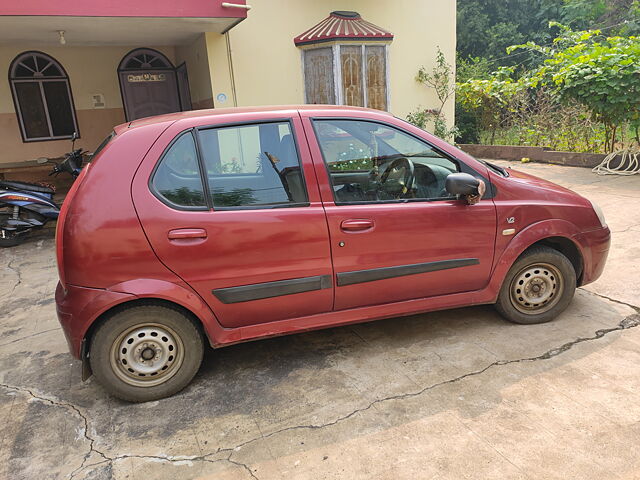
x=68, y=200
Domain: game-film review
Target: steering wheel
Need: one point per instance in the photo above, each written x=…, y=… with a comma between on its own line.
x=398, y=187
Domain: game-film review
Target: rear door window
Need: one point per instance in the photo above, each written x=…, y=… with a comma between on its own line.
x=252, y=166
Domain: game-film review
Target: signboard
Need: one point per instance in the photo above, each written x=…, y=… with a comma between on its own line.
x=147, y=77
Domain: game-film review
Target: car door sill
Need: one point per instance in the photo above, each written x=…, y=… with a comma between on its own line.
x=224, y=336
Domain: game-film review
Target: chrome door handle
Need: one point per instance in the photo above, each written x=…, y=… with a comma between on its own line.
x=356, y=225
x=180, y=233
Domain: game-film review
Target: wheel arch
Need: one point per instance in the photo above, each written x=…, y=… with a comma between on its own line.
x=568, y=248
x=138, y=302
x=162, y=293
x=555, y=233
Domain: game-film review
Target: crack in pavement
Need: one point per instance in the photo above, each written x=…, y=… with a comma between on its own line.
x=69, y=406
x=17, y=272
x=630, y=321
x=173, y=459
x=630, y=227
x=620, y=302
x=29, y=336
x=177, y=460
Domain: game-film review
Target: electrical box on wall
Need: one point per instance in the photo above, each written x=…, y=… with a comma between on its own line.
x=98, y=100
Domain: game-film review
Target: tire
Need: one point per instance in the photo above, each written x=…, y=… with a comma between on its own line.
x=12, y=241
x=123, y=347
x=538, y=287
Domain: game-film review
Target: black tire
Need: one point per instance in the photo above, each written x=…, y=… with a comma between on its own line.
x=12, y=241
x=120, y=349
x=538, y=287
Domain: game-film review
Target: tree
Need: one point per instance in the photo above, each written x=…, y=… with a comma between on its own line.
x=601, y=73
x=489, y=98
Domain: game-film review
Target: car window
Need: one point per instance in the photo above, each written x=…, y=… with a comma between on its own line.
x=372, y=162
x=253, y=166
x=177, y=177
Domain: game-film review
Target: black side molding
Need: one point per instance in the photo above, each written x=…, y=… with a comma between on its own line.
x=258, y=291
x=363, y=276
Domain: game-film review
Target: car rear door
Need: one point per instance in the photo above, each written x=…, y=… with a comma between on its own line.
x=388, y=249
x=252, y=239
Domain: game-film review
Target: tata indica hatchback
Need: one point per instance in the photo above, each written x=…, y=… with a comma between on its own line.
x=215, y=227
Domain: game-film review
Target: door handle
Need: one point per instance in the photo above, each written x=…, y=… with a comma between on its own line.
x=180, y=233
x=356, y=225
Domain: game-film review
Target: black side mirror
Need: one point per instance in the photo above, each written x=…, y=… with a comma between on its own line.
x=461, y=184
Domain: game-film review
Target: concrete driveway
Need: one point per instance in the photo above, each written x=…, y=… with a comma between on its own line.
x=448, y=395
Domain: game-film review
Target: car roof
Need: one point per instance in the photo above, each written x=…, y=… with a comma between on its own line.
x=213, y=112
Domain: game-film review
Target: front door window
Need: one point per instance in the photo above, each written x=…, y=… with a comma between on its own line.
x=372, y=162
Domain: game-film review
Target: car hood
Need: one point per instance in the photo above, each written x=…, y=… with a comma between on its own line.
x=542, y=189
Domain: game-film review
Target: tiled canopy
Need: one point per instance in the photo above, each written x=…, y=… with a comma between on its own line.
x=343, y=26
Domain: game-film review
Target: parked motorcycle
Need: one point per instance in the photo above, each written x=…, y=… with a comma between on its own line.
x=25, y=206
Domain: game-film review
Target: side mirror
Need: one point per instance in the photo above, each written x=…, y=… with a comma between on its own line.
x=461, y=184
x=74, y=137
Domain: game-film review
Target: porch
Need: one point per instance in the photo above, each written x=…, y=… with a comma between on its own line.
x=88, y=67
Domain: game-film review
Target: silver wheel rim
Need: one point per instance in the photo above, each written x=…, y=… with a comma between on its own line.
x=147, y=355
x=536, y=288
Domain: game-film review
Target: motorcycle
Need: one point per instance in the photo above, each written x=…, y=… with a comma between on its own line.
x=26, y=206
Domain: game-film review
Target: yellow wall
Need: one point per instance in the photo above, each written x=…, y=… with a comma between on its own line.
x=91, y=70
x=267, y=65
x=196, y=59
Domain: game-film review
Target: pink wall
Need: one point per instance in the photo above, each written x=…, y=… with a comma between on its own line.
x=123, y=8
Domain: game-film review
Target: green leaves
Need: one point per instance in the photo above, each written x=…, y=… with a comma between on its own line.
x=584, y=67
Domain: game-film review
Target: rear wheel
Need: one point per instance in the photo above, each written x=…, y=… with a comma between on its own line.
x=538, y=287
x=146, y=352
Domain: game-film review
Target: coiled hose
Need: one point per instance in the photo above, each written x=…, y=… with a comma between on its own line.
x=629, y=164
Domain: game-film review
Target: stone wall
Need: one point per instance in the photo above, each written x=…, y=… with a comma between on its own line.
x=535, y=154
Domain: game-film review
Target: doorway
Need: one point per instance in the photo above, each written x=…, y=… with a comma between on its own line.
x=151, y=85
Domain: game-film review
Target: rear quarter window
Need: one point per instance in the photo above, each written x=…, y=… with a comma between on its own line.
x=176, y=180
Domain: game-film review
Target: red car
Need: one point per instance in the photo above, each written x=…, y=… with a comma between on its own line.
x=222, y=226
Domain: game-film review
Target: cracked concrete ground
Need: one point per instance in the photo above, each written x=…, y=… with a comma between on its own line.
x=456, y=394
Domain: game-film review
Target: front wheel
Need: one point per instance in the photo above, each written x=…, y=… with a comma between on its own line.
x=538, y=287
x=146, y=352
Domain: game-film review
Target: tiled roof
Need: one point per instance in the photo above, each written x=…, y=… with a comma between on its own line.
x=343, y=26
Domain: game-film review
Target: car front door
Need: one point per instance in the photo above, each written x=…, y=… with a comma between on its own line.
x=251, y=239
x=396, y=234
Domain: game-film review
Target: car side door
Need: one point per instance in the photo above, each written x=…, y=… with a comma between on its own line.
x=393, y=237
x=251, y=239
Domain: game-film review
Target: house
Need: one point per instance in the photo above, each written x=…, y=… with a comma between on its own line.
x=87, y=66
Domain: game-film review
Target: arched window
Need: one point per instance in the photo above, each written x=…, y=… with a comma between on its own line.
x=145, y=59
x=42, y=97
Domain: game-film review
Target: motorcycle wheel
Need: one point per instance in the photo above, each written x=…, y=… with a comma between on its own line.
x=11, y=241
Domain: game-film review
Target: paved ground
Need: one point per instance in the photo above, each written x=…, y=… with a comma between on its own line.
x=452, y=395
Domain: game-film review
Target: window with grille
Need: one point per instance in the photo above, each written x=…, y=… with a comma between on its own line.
x=347, y=74
x=42, y=97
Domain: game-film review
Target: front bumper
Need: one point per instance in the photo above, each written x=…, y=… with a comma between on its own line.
x=77, y=309
x=595, y=249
